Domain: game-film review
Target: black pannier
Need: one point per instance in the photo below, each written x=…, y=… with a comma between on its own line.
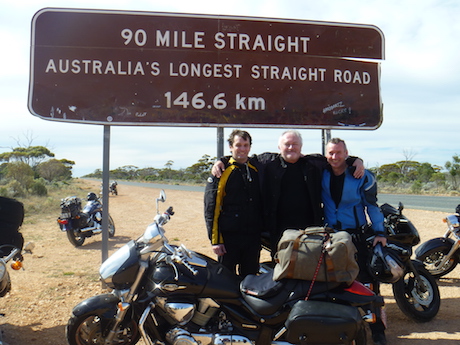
x=11, y=218
x=70, y=207
x=342, y=322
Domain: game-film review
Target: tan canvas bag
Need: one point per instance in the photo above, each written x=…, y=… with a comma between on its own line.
x=299, y=252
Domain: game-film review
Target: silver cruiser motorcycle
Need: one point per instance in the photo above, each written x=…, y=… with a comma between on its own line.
x=442, y=254
x=166, y=294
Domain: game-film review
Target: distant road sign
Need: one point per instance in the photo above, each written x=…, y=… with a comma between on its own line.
x=141, y=68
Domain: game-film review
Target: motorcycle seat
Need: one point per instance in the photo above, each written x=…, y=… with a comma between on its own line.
x=266, y=296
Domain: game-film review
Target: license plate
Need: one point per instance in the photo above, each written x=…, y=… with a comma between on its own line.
x=65, y=215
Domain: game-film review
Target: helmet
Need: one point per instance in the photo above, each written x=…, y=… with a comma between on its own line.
x=91, y=196
x=384, y=265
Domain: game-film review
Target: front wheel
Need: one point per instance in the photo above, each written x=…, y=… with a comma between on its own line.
x=432, y=260
x=111, y=227
x=418, y=299
x=92, y=328
x=75, y=237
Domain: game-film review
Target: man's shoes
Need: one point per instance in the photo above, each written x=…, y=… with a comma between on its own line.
x=379, y=338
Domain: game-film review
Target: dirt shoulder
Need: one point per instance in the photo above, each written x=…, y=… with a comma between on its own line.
x=58, y=276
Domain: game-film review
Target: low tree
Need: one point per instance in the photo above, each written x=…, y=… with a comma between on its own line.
x=453, y=169
x=20, y=172
x=31, y=155
x=55, y=170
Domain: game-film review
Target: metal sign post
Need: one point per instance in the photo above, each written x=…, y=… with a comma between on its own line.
x=105, y=192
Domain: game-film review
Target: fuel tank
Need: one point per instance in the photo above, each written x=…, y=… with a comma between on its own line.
x=213, y=280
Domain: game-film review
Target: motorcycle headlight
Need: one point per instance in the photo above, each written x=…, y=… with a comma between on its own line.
x=120, y=269
x=453, y=220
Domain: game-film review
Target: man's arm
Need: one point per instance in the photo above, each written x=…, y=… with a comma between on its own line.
x=372, y=208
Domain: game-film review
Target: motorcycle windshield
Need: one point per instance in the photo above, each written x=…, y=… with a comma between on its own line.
x=110, y=266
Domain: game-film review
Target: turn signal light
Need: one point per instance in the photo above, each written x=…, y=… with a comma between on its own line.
x=63, y=221
x=16, y=265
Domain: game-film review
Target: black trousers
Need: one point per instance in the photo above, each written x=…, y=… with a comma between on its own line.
x=243, y=253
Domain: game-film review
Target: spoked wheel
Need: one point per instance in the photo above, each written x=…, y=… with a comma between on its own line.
x=75, y=237
x=111, y=227
x=419, y=299
x=433, y=258
x=92, y=329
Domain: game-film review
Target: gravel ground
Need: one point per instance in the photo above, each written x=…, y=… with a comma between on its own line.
x=57, y=276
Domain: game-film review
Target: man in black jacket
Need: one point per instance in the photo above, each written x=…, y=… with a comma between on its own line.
x=233, y=209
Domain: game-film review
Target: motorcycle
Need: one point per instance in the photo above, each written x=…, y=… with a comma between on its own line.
x=442, y=254
x=80, y=224
x=113, y=188
x=167, y=294
x=9, y=252
x=416, y=293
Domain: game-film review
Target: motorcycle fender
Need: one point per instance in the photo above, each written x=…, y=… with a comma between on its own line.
x=104, y=305
x=439, y=242
x=65, y=227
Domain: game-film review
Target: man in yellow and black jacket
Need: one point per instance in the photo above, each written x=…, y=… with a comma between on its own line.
x=233, y=209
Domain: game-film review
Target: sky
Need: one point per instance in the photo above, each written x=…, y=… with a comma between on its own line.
x=420, y=86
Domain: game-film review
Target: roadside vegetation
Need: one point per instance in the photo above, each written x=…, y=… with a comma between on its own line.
x=33, y=175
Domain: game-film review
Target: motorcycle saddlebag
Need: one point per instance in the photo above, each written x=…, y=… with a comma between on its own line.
x=318, y=322
x=72, y=205
x=11, y=218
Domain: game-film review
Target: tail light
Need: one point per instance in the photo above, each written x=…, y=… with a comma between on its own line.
x=359, y=289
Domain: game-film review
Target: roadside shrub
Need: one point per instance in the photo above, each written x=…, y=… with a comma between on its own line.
x=38, y=188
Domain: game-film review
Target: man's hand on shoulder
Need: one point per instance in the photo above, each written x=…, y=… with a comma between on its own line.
x=359, y=168
x=217, y=169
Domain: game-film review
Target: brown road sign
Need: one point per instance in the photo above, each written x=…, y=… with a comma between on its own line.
x=141, y=68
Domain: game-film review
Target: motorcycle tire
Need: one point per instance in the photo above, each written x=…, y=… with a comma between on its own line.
x=91, y=328
x=361, y=338
x=419, y=300
x=111, y=227
x=75, y=237
x=432, y=259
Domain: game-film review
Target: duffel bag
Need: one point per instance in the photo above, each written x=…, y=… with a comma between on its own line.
x=299, y=253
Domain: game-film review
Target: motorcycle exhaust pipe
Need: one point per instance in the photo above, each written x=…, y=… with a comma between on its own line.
x=94, y=229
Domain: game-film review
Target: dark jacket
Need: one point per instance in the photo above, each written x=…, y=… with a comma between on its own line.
x=232, y=203
x=272, y=168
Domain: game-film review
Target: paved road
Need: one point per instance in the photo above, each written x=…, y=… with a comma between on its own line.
x=419, y=202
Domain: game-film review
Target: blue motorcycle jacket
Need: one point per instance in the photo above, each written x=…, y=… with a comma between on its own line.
x=358, y=197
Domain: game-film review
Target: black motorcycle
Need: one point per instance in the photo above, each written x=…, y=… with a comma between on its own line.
x=80, y=224
x=442, y=254
x=166, y=294
x=416, y=293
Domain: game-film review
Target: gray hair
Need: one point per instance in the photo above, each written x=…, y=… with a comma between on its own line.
x=291, y=131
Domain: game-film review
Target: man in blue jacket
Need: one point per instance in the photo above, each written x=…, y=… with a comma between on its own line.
x=348, y=202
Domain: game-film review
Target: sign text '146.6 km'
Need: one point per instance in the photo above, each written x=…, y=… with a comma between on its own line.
x=218, y=101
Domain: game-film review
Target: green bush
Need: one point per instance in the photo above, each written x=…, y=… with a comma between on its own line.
x=38, y=188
